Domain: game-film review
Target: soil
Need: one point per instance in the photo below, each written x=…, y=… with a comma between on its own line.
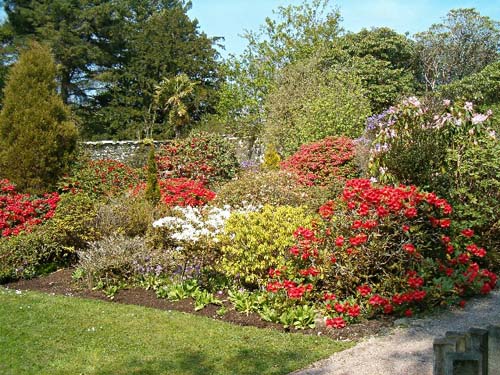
x=60, y=282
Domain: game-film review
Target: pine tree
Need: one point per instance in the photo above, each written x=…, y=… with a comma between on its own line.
x=37, y=136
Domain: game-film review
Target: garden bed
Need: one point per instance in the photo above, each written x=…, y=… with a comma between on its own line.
x=60, y=282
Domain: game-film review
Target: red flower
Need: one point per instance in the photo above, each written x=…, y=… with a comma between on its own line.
x=364, y=290
x=354, y=311
x=468, y=233
x=329, y=296
x=335, y=322
x=408, y=312
x=409, y=248
x=339, y=241
x=462, y=303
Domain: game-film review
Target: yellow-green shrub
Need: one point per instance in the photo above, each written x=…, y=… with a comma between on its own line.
x=73, y=224
x=256, y=241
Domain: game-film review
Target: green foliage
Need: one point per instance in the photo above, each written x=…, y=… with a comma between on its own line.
x=382, y=59
x=463, y=44
x=73, y=224
x=256, y=241
x=172, y=96
x=475, y=193
x=482, y=88
x=125, y=215
x=152, y=193
x=157, y=40
x=310, y=103
x=37, y=137
x=202, y=156
x=275, y=188
x=271, y=158
x=296, y=32
x=30, y=254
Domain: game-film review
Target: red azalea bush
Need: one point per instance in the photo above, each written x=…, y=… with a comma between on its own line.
x=180, y=192
x=184, y=192
x=104, y=177
x=380, y=249
x=323, y=162
x=204, y=157
x=20, y=212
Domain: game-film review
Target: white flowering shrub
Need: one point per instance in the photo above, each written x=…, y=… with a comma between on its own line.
x=193, y=232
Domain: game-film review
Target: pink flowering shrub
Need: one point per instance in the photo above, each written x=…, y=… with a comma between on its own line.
x=380, y=250
x=21, y=212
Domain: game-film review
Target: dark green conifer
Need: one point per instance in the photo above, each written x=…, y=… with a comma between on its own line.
x=152, y=187
x=37, y=136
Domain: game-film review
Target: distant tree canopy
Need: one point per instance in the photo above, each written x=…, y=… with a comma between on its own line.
x=463, y=44
x=111, y=54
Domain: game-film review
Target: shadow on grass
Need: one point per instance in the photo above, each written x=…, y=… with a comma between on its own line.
x=244, y=362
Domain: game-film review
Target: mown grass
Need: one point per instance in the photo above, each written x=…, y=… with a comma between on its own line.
x=47, y=334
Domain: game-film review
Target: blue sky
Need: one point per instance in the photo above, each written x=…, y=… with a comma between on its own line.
x=230, y=18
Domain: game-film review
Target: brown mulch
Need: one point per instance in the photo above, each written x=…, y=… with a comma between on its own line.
x=60, y=282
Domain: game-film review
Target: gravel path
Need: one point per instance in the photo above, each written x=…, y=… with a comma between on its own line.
x=407, y=349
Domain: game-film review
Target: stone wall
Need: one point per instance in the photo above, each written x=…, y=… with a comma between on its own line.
x=476, y=352
x=134, y=152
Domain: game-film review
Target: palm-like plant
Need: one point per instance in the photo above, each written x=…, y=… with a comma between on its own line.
x=172, y=95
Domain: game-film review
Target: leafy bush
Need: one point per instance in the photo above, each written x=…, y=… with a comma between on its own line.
x=125, y=215
x=111, y=260
x=271, y=158
x=184, y=192
x=310, y=103
x=325, y=162
x=73, y=224
x=101, y=178
x=379, y=250
x=275, y=188
x=255, y=241
x=30, y=254
x=21, y=212
x=449, y=149
x=476, y=195
x=206, y=157
x=37, y=136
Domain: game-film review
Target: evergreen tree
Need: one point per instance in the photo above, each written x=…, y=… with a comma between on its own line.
x=37, y=136
x=153, y=194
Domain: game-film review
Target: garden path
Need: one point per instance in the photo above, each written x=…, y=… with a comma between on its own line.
x=407, y=349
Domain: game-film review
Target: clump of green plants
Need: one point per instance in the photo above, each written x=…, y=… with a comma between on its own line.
x=255, y=241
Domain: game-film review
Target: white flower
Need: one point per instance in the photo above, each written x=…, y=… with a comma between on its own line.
x=479, y=118
x=468, y=106
x=446, y=102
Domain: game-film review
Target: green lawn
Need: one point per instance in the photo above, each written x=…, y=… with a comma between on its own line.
x=45, y=334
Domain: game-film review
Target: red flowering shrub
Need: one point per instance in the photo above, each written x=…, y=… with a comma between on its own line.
x=184, y=192
x=104, y=177
x=180, y=192
x=205, y=157
x=20, y=212
x=380, y=250
x=324, y=162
